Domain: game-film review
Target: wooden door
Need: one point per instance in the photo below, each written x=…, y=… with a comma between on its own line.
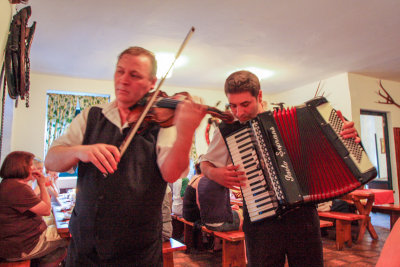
x=396, y=133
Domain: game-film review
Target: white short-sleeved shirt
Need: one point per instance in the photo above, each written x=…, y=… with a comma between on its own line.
x=217, y=152
x=75, y=133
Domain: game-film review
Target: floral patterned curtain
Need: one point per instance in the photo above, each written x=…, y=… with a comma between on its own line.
x=61, y=109
x=60, y=112
x=88, y=101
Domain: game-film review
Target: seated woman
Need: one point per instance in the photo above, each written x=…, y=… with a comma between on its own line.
x=209, y=202
x=24, y=235
x=215, y=208
x=190, y=210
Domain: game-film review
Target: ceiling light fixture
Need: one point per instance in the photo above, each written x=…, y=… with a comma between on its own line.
x=164, y=61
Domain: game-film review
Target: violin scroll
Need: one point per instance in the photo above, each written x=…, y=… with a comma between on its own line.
x=225, y=116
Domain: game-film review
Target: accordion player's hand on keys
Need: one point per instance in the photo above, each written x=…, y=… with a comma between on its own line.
x=230, y=176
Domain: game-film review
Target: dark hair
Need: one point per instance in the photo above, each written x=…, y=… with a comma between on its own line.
x=242, y=81
x=197, y=168
x=17, y=165
x=139, y=51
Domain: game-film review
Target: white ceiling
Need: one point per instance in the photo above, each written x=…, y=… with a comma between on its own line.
x=302, y=41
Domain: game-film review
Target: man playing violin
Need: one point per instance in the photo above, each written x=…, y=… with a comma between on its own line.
x=296, y=235
x=117, y=218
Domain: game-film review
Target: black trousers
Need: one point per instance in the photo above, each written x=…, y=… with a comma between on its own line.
x=296, y=235
x=75, y=259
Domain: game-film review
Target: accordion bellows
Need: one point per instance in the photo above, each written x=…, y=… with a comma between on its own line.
x=294, y=156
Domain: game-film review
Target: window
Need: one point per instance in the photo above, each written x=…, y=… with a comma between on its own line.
x=61, y=109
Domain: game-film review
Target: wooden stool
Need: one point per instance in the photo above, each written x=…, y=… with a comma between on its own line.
x=26, y=263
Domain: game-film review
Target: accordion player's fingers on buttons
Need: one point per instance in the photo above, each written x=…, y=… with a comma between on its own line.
x=231, y=177
x=348, y=130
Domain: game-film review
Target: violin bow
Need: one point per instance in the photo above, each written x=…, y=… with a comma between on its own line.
x=133, y=130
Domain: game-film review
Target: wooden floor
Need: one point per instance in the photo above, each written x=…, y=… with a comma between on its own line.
x=365, y=253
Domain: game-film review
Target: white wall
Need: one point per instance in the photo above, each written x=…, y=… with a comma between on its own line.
x=335, y=89
x=6, y=12
x=364, y=95
x=30, y=123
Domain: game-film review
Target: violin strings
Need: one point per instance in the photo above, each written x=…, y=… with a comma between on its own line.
x=169, y=102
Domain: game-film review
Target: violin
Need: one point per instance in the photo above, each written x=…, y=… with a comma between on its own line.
x=163, y=109
x=162, y=112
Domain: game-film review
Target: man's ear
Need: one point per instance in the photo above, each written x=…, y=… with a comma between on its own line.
x=153, y=83
x=260, y=96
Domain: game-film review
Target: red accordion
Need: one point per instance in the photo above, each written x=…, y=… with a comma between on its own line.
x=295, y=156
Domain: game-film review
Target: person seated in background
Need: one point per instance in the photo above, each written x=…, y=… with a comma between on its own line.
x=209, y=202
x=50, y=179
x=334, y=205
x=51, y=183
x=216, y=211
x=166, y=216
x=24, y=235
x=190, y=209
x=178, y=190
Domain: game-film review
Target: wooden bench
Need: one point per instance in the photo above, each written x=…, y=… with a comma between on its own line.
x=168, y=248
x=324, y=224
x=392, y=209
x=25, y=263
x=233, y=248
x=343, y=225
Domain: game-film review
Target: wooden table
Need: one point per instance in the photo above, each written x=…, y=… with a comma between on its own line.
x=363, y=200
x=382, y=196
x=60, y=219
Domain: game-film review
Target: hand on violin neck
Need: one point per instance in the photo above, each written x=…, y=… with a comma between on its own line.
x=188, y=117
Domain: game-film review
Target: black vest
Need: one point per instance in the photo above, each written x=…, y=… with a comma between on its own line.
x=120, y=216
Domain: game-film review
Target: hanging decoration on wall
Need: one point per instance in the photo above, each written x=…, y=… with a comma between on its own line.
x=18, y=1
x=278, y=106
x=386, y=96
x=16, y=62
x=318, y=92
x=211, y=123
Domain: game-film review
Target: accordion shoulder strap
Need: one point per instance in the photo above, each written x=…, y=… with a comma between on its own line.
x=226, y=128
